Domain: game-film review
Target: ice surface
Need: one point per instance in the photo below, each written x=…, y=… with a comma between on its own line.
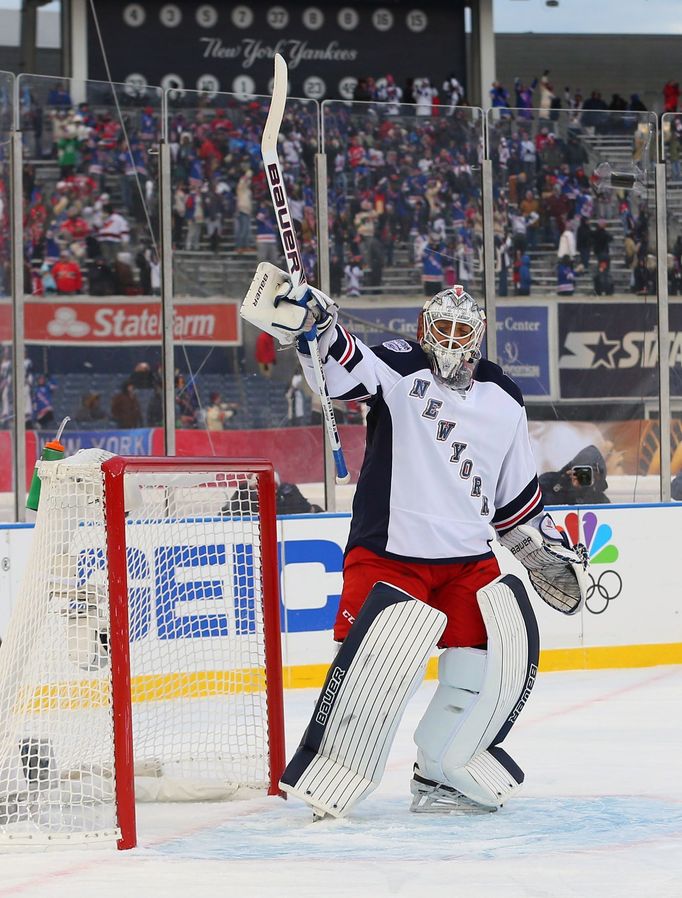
x=600, y=816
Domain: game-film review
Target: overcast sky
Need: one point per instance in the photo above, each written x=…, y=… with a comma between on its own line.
x=590, y=16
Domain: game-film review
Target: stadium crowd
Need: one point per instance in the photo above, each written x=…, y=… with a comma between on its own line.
x=404, y=188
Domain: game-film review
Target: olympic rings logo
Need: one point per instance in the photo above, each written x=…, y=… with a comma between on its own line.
x=602, y=591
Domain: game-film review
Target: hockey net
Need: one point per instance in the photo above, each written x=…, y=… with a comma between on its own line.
x=143, y=656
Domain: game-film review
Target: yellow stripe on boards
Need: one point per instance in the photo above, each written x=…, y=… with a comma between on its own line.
x=82, y=694
x=588, y=658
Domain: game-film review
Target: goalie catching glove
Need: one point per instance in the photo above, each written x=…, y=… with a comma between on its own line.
x=556, y=569
x=290, y=314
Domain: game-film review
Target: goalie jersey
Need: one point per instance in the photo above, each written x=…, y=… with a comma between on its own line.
x=441, y=467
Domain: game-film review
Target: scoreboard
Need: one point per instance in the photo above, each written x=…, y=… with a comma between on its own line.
x=230, y=47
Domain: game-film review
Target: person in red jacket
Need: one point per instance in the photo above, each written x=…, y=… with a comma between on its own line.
x=67, y=275
x=265, y=353
x=671, y=96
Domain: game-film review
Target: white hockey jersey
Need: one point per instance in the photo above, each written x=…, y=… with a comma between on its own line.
x=441, y=467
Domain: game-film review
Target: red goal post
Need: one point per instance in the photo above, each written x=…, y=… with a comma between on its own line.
x=143, y=657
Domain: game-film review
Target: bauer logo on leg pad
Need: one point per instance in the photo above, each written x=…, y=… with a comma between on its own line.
x=329, y=693
x=343, y=752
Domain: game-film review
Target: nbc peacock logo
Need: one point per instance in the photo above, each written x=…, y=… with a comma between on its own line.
x=605, y=585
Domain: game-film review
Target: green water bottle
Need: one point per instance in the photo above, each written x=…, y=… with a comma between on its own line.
x=52, y=451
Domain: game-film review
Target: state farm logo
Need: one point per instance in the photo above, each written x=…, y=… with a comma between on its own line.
x=129, y=323
x=66, y=324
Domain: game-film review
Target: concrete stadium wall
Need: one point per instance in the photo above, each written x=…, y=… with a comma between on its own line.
x=611, y=63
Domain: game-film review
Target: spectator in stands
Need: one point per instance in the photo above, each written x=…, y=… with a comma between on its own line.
x=113, y=234
x=503, y=263
x=186, y=402
x=179, y=210
x=59, y=96
x=603, y=282
x=522, y=275
x=547, y=96
x=28, y=394
x=213, y=212
x=6, y=386
x=90, y=410
x=155, y=406
x=296, y=400
x=595, y=112
x=365, y=226
x=530, y=209
x=524, y=96
x=218, y=412
x=44, y=410
x=142, y=377
x=636, y=104
x=266, y=354
x=601, y=241
x=361, y=91
x=354, y=276
x=499, y=97
x=567, y=241
x=676, y=488
x=583, y=242
x=67, y=274
x=565, y=277
x=424, y=96
x=433, y=263
x=671, y=96
x=244, y=212
x=194, y=218
x=557, y=208
x=125, y=407
x=267, y=238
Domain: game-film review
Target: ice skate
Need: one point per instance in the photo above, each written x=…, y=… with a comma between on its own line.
x=429, y=797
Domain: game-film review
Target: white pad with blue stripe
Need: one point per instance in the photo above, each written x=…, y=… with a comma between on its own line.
x=479, y=697
x=342, y=756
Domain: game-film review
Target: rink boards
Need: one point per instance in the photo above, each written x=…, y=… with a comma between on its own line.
x=633, y=615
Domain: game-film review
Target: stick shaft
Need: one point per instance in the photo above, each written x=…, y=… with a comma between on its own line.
x=285, y=226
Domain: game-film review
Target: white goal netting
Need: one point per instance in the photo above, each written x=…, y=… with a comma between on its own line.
x=194, y=568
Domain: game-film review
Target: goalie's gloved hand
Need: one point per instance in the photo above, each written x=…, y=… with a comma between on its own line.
x=556, y=569
x=286, y=309
x=320, y=320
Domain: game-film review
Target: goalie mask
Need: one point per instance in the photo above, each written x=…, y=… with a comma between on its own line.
x=451, y=328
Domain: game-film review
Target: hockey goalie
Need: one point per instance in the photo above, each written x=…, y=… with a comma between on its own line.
x=448, y=466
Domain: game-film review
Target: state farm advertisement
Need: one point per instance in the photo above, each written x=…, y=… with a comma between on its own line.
x=76, y=321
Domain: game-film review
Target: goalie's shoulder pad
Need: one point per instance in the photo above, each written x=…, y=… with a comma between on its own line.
x=263, y=307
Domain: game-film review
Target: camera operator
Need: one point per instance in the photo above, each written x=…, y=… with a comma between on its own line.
x=580, y=482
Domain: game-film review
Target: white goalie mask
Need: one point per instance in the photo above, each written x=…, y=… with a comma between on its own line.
x=451, y=329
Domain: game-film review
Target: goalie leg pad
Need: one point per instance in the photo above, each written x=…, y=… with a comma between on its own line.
x=342, y=756
x=479, y=697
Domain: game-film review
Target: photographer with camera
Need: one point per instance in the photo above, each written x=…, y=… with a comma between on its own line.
x=580, y=482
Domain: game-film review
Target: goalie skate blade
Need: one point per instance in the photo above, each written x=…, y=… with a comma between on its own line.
x=430, y=798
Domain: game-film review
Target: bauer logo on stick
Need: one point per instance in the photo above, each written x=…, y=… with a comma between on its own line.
x=286, y=228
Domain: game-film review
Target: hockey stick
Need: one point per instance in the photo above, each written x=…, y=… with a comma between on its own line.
x=285, y=225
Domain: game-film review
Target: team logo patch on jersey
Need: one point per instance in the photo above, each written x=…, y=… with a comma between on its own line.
x=398, y=345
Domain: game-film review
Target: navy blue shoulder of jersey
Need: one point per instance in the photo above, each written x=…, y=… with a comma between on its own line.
x=405, y=357
x=489, y=372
